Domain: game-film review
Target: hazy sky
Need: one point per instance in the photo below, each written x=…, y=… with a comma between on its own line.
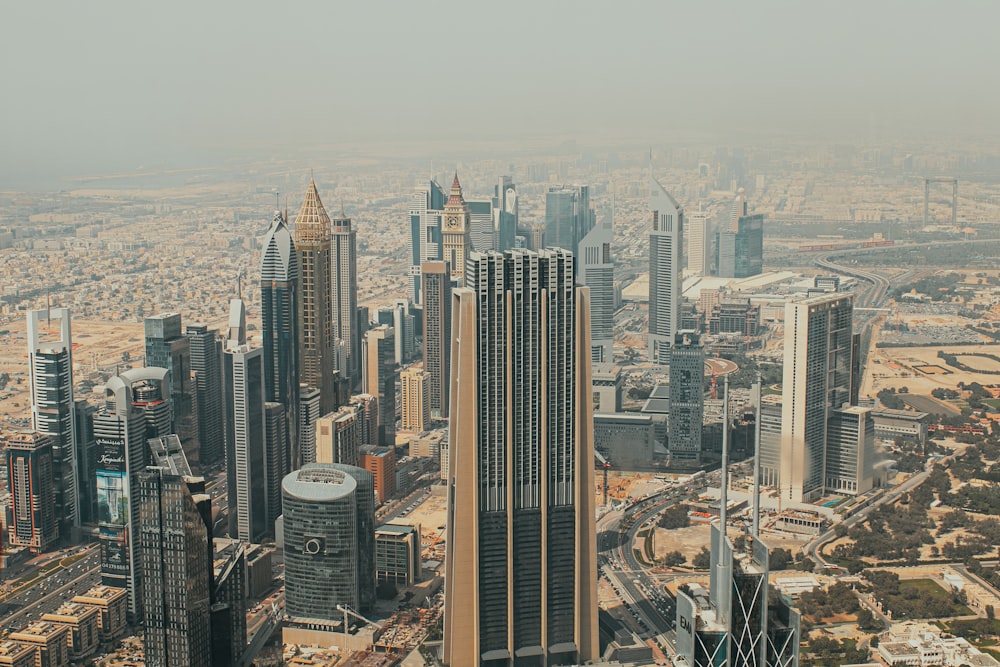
x=91, y=87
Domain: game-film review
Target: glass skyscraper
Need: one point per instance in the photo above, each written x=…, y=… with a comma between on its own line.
x=279, y=313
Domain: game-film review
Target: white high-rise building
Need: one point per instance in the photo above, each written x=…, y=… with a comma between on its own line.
x=698, y=242
x=597, y=271
x=817, y=379
x=665, y=258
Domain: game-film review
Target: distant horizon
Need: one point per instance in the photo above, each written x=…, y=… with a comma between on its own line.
x=96, y=89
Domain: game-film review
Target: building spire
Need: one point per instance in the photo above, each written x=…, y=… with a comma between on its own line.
x=312, y=224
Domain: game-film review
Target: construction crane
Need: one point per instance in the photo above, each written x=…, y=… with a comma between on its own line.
x=347, y=610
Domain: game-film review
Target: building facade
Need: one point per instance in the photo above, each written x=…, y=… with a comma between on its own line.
x=246, y=469
x=596, y=270
x=338, y=437
x=568, y=216
x=424, y=240
x=50, y=373
x=665, y=257
x=206, y=364
x=687, y=398
x=344, y=295
x=324, y=546
x=175, y=522
x=279, y=320
x=456, y=232
x=415, y=408
x=437, y=334
x=698, y=242
x=168, y=347
x=525, y=485
x=817, y=378
x=317, y=347
x=120, y=432
x=31, y=512
x=380, y=379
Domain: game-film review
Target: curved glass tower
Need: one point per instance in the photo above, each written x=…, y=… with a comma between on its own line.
x=279, y=278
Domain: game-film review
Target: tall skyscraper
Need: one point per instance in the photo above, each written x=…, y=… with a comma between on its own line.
x=817, y=376
x=380, y=379
x=120, y=432
x=86, y=459
x=437, y=333
x=596, y=270
x=50, y=366
x=665, y=257
x=279, y=320
x=316, y=338
x=521, y=573
x=274, y=462
x=504, y=214
x=325, y=507
x=206, y=363
x=167, y=347
x=426, y=205
x=698, y=242
x=344, y=294
x=246, y=469
x=568, y=216
x=175, y=547
x=415, y=408
x=748, y=252
x=687, y=398
x=31, y=512
x=456, y=226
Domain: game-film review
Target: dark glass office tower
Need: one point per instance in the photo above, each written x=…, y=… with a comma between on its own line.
x=687, y=398
x=521, y=567
x=568, y=216
x=437, y=333
x=167, y=347
x=279, y=313
x=175, y=540
x=206, y=363
x=31, y=516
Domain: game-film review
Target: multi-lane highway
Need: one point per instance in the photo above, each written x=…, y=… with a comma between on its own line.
x=47, y=594
x=652, y=610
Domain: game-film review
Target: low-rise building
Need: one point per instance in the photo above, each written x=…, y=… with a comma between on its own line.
x=909, y=424
x=397, y=554
x=15, y=654
x=50, y=641
x=111, y=604
x=81, y=622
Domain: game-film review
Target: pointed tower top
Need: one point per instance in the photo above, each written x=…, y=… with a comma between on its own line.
x=312, y=224
x=455, y=198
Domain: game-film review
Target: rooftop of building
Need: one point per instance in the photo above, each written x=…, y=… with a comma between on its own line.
x=395, y=529
x=101, y=593
x=909, y=415
x=11, y=649
x=69, y=610
x=38, y=630
x=319, y=482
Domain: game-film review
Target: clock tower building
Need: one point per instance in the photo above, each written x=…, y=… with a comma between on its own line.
x=455, y=232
